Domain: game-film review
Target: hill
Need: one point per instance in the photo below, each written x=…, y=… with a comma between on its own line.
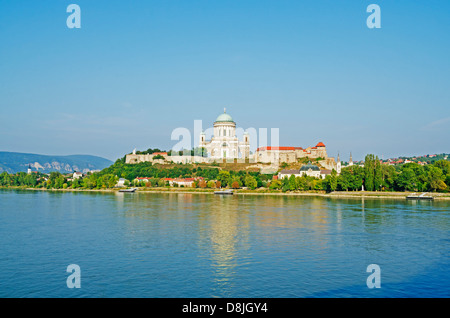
x=13, y=162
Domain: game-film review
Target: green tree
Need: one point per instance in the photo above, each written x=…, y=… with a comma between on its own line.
x=444, y=165
x=378, y=175
x=234, y=179
x=301, y=183
x=333, y=180
x=388, y=176
x=224, y=177
x=211, y=184
x=436, y=179
x=351, y=178
x=275, y=185
x=250, y=182
x=75, y=183
x=406, y=180
x=369, y=169
x=292, y=183
x=285, y=184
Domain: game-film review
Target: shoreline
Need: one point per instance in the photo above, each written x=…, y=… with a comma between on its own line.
x=338, y=195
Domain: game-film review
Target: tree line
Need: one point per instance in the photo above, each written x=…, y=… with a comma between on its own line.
x=373, y=176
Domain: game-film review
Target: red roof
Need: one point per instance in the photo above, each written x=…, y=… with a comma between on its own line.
x=320, y=144
x=277, y=148
x=160, y=153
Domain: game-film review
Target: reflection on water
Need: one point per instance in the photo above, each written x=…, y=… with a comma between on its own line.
x=201, y=245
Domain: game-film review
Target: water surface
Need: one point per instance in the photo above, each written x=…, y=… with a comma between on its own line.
x=202, y=245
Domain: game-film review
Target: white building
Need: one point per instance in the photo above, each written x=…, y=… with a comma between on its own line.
x=77, y=175
x=310, y=170
x=121, y=182
x=224, y=144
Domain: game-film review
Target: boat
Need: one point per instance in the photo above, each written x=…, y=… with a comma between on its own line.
x=224, y=192
x=422, y=196
x=128, y=190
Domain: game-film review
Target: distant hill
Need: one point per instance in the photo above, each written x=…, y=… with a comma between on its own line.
x=13, y=162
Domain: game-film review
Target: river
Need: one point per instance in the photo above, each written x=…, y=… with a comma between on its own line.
x=204, y=245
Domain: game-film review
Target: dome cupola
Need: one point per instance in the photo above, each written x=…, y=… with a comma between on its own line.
x=223, y=118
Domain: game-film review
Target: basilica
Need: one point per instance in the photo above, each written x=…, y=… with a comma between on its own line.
x=224, y=144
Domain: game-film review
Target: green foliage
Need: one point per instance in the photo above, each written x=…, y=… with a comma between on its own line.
x=157, y=157
x=436, y=179
x=224, y=177
x=148, y=151
x=275, y=185
x=374, y=176
x=292, y=183
x=211, y=184
x=250, y=182
x=407, y=180
x=285, y=184
x=330, y=182
x=351, y=178
x=369, y=172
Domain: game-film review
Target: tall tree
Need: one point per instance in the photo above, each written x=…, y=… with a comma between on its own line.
x=333, y=180
x=369, y=172
x=292, y=183
x=378, y=175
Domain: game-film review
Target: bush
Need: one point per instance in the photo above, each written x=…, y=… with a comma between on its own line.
x=211, y=184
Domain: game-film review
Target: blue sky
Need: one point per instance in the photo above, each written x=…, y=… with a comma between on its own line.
x=136, y=70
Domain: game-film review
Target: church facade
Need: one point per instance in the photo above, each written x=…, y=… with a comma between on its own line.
x=224, y=143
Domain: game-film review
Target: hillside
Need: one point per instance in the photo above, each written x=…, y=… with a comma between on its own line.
x=13, y=162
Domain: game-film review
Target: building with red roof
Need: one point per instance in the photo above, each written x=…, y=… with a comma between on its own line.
x=289, y=154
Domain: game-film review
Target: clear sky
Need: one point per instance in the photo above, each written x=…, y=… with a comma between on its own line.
x=138, y=69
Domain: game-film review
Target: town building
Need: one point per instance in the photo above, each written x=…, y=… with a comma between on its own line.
x=295, y=154
x=77, y=175
x=121, y=182
x=309, y=170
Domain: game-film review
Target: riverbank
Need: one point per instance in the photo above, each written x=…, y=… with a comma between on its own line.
x=335, y=194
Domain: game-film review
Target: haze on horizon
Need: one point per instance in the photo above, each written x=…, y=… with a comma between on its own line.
x=136, y=71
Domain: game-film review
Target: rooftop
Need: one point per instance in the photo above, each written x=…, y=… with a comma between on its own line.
x=224, y=117
x=309, y=166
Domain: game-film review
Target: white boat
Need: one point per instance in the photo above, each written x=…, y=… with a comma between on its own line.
x=224, y=192
x=422, y=196
x=128, y=190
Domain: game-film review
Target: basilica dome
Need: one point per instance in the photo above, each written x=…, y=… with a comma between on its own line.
x=224, y=118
